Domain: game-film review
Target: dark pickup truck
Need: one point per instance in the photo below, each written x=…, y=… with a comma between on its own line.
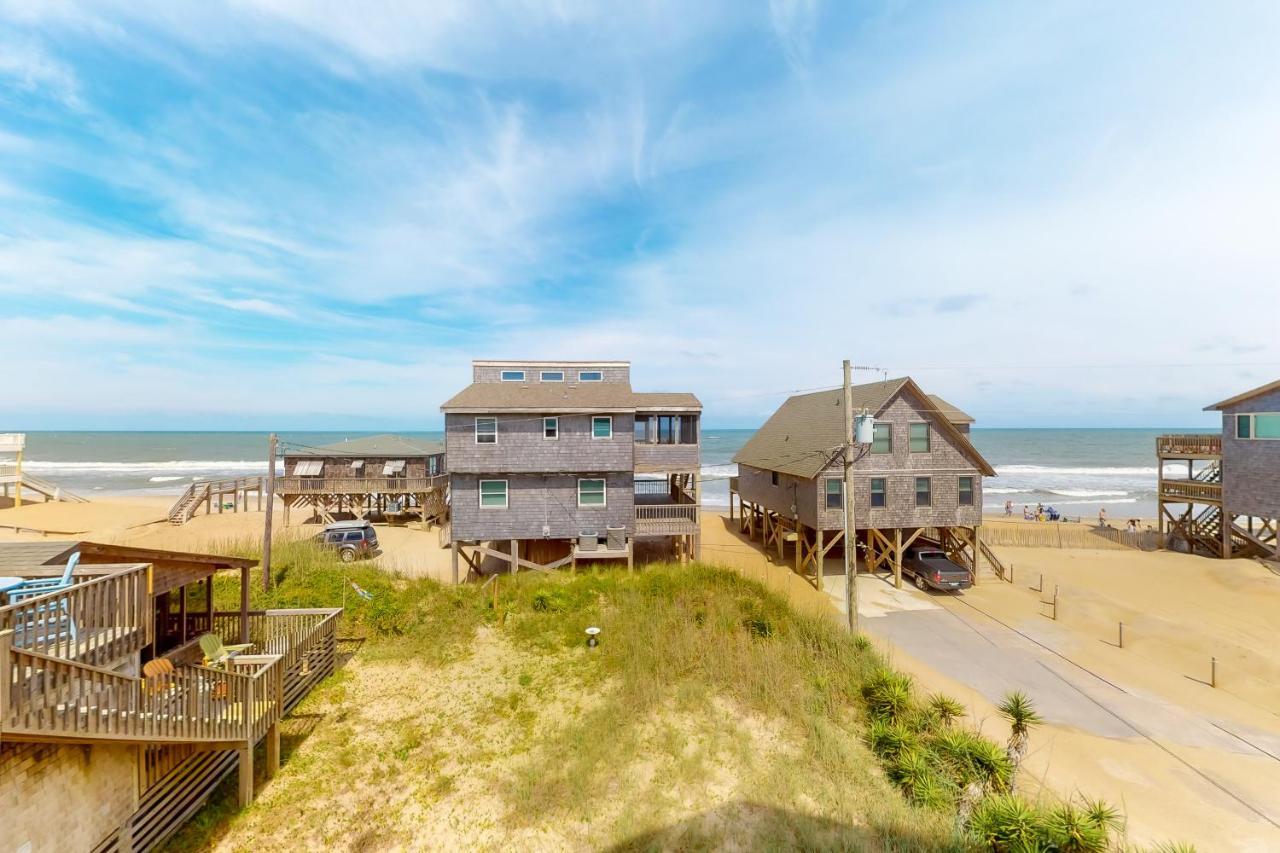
x=930, y=567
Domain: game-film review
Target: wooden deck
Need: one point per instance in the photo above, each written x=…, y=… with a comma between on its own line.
x=1189, y=446
x=351, y=486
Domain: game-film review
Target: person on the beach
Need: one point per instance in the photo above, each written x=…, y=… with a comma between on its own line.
x=1008, y=509
x=1102, y=516
x=1026, y=513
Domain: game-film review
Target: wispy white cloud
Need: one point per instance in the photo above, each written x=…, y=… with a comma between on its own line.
x=794, y=22
x=28, y=68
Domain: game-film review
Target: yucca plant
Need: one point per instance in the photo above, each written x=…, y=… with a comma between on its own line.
x=887, y=694
x=1005, y=822
x=946, y=709
x=1071, y=830
x=889, y=739
x=970, y=757
x=1022, y=718
x=1104, y=815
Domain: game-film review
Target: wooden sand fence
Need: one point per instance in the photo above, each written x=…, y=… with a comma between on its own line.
x=1052, y=534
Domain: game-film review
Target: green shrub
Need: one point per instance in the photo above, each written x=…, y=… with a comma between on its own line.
x=888, y=694
x=970, y=757
x=1005, y=822
x=1071, y=830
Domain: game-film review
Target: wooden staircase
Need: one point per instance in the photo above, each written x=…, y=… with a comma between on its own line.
x=206, y=492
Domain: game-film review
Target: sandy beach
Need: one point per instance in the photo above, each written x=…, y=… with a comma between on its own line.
x=1138, y=725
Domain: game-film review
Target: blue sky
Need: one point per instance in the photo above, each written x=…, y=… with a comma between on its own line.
x=271, y=213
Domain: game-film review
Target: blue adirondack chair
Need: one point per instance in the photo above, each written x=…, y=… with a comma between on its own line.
x=45, y=624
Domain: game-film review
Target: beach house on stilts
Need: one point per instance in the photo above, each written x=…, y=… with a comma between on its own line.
x=919, y=480
x=555, y=461
x=371, y=475
x=115, y=725
x=14, y=481
x=1228, y=504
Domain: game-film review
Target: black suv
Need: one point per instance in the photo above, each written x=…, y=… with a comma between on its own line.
x=351, y=539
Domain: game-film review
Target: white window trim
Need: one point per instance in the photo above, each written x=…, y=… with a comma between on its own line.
x=502, y=375
x=1253, y=427
x=928, y=437
x=506, y=494
x=542, y=376
x=604, y=492
x=599, y=376
x=973, y=490
x=827, y=493
x=595, y=418
x=546, y=437
x=871, y=447
x=480, y=418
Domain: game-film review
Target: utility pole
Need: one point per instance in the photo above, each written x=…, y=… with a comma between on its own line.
x=271, y=501
x=850, y=529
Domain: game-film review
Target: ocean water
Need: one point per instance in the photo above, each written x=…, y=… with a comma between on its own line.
x=1074, y=470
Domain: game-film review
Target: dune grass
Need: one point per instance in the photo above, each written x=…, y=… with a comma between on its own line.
x=710, y=715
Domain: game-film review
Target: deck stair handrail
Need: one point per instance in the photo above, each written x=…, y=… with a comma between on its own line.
x=1210, y=473
x=46, y=698
x=94, y=621
x=40, y=484
x=204, y=490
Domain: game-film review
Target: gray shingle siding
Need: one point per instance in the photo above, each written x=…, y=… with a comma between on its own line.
x=537, y=499
x=944, y=463
x=522, y=448
x=666, y=457
x=1251, y=467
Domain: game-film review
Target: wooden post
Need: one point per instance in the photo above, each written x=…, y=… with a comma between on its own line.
x=245, y=754
x=850, y=528
x=796, y=521
x=818, y=559
x=1120, y=644
x=17, y=486
x=1213, y=672
x=266, y=525
x=273, y=749
x=897, y=557
x=977, y=549
x=453, y=547
x=515, y=556
x=1226, y=531
x=6, y=643
x=631, y=554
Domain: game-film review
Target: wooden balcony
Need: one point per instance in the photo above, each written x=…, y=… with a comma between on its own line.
x=1191, y=491
x=666, y=519
x=1192, y=446
x=96, y=621
x=294, y=485
x=45, y=698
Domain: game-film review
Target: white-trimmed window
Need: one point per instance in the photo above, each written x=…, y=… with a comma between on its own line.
x=602, y=426
x=550, y=428
x=433, y=466
x=591, y=492
x=493, y=494
x=590, y=376
x=879, y=494
x=1261, y=425
x=308, y=468
x=964, y=493
x=552, y=376
x=512, y=376
x=919, y=438
x=486, y=430
x=834, y=490
x=773, y=478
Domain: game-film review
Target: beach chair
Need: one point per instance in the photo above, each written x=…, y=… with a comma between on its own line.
x=216, y=652
x=153, y=672
x=44, y=586
x=46, y=624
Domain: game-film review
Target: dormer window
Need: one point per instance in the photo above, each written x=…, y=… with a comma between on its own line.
x=513, y=376
x=552, y=376
x=590, y=376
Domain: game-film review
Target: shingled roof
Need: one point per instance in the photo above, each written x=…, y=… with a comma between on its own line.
x=562, y=397
x=805, y=433
x=950, y=412
x=378, y=446
x=1240, y=398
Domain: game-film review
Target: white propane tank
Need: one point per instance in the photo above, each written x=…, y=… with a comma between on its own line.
x=864, y=429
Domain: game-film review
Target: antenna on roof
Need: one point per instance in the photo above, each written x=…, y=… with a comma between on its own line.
x=884, y=371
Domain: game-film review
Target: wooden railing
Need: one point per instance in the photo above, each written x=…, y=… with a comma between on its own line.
x=205, y=491
x=305, y=639
x=652, y=487
x=666, y=519
x=48, y=698
x=1191, y=490
x=1209, y=444
x=294, y=485
x=95, y=621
